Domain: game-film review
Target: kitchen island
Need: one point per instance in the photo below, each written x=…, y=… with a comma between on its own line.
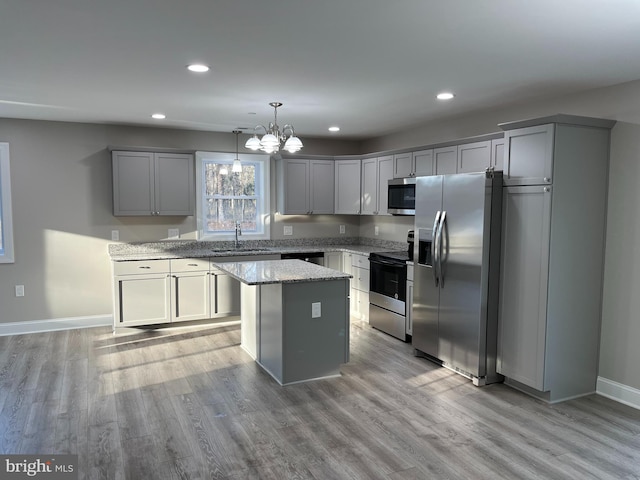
x=294, y=317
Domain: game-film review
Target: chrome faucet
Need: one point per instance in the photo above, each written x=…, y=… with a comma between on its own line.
x=238, y=232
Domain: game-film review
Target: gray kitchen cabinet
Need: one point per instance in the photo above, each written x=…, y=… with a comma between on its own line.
x=333, y=260
x=403, y=165
x=190, y=289
x=554, y=214
x=445, y=160
x=529, y=155
x=149, y=183
x=141, y=293
x=413, y=164
x=474, y=157
x=497, y=153
x=376, y=173
x=347, y=186
x=422, y=162
x=305, y=186
x=359, y=292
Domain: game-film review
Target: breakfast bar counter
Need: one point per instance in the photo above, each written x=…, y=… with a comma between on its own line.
x=294, y=317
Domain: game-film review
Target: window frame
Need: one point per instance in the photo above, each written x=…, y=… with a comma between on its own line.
x=263, y=190
x=6, y=230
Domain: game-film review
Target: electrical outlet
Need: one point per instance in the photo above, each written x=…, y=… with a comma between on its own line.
x=316, y=310
x=288, y=230
x=115, y=235
x=376, y=230
x=174, y=234
x=19, y=290
x=342, y=229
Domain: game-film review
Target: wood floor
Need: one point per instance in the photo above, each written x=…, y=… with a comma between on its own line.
x=189, y=403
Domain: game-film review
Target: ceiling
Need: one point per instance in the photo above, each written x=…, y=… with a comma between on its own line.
x=370, y=66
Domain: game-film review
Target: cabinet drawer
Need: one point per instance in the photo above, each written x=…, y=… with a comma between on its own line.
x=361, y=279
x=141, y=267
x=360, y=261
x=189, y=264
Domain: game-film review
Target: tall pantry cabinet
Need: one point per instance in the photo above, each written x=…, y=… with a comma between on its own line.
x=554, y=209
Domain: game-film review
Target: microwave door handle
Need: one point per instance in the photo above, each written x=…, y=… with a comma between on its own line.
x=444, y=246
x=434, y=249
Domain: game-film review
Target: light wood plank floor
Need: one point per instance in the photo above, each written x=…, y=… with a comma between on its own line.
x=189, y=403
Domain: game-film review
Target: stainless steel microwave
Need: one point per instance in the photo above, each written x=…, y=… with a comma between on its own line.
x=402, y=196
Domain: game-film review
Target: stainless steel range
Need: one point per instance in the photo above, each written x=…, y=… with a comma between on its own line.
x=388, y=292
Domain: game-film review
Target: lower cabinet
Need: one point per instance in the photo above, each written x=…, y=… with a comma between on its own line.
x=189, y=289
x=224, y=294
x=360, y=287
x=333, y=260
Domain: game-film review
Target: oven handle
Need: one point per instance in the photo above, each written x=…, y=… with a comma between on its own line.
x=385, y=262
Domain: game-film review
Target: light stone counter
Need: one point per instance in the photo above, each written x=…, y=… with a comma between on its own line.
x=279, y=271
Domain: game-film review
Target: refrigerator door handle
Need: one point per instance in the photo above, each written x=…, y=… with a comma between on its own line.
x=443, y=234
x=434, y=248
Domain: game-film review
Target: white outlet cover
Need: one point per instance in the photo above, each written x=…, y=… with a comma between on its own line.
x=316, y=310
x=342, y=229
x=19, y=290
x=115, y=235
x=376, y=230
x=288, y=230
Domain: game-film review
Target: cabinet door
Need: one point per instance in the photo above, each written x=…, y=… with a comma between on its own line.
x=423, y=162
x=321, y=183
x=294, y=187
x=347, y=187
x=369, y=184
x=333, y=260
x=385, y=173
x=225, y=295
x=133, y=183
x=174, y=184
x=445, y=160
x=497, y=153
x=142, y=299
x=403, y=165
x=523, y=284
x=529, y=155
x=189, y=296
x=474, y=157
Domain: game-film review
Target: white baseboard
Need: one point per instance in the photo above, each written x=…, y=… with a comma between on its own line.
x=52, y=325
x=618, y=392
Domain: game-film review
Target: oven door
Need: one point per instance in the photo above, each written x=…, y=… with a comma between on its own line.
x=388, y=279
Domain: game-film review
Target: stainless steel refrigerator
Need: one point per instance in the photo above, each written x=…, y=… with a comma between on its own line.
x=456, y=272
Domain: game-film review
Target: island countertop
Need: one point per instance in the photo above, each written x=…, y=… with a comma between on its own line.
x=264, y=272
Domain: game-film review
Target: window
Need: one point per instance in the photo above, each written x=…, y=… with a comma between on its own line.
x=6, y=225
x=225, y=197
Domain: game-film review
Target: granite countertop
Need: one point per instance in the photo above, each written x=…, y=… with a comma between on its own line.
x=264, y=272
x=195, y=249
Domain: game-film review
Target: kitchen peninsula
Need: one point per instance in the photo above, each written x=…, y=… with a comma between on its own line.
x=294, y=317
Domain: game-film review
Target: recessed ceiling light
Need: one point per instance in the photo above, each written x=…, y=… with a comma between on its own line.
x=198, y=68
x=445, y=96
x=334, y=129
x=159, y=116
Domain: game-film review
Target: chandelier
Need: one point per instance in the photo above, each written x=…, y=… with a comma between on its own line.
x=272, y=138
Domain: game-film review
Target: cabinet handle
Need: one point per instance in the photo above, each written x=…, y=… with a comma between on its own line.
x=547, y=180
x=547, y=189
x=147, y=268
x=192, y=264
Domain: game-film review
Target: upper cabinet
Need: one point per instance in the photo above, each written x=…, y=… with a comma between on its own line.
x=445, y=160
x=148, y=183
x=413, y=164
x=305, y=186
x=474, y=157
x=497, y=153
x=347, y=186
x=376, y=173
x=529, y=155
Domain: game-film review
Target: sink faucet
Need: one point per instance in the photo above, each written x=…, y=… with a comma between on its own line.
x=238, y=232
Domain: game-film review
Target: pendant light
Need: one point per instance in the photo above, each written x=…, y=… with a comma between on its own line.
x=272, y=138
x=237, y=166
